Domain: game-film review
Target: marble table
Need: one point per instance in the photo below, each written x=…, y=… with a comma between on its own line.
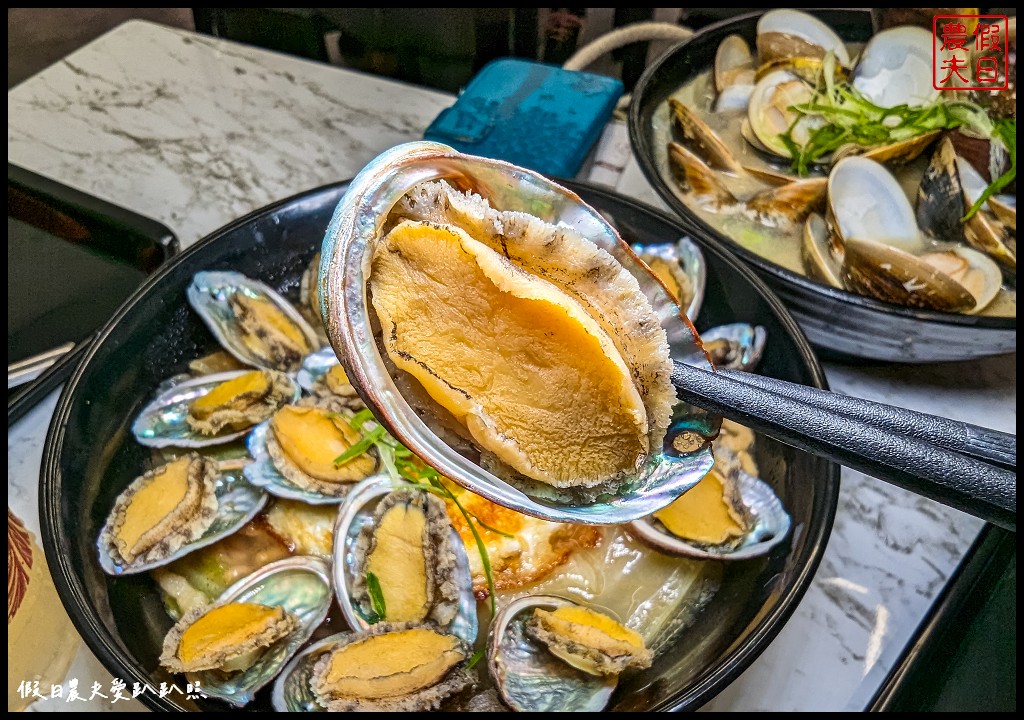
x=195, y=132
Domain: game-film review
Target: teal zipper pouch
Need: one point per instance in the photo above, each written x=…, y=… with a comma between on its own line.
x=530, y=114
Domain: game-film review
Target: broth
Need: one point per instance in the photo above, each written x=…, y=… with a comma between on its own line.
x=779, y=245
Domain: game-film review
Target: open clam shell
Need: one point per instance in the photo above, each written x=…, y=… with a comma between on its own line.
x=163, y=422
x=238, y=502
x=344, y=272
x=768, y=525
x=211, y=295
x=531, y=679
x=301, y=585
x=357, y=513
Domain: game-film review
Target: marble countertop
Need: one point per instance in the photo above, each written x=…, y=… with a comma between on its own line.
x=195, y=132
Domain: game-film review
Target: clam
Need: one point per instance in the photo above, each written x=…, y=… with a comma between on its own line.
x=211, y=409
x=889, y=274
x=975, y=271
x=322, y=375
x=681, y=268
x=420, y=205
x=240, y=642
x=295, y=453
x=251, y=320
x=548, y=653
x=790, y=203
x=948, y=189
x=896, y=67
x=786, y=33
x=771, y=115
x=694, y=176
x=402, y=536
x=388, y=667
x=866, y=202
x=172, y=510
x=734, y=97
x=736, y=346
x=821, y=252
x=734, y=63
x=700, y=139
x=729, y=515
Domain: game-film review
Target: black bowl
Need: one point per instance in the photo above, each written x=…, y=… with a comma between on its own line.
x=839, y=322
x=90, y=455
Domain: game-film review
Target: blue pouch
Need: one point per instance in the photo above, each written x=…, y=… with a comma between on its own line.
x=528, y=113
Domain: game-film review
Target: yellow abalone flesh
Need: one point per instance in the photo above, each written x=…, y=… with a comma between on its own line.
x=391, y=667
x=589, y=640
x=161, y=511
x=408, y=549
x=229, y=638
x=240, y=402
x=539, y=343
x=305, y=442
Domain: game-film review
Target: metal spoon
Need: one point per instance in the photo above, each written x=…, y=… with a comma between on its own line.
x=344, y=271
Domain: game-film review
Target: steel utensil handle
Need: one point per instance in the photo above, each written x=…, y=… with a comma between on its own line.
x=960, y=481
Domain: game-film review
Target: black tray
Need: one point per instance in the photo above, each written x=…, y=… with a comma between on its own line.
x=72, y=259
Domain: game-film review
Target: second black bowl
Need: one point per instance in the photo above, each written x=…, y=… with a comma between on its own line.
x=836, y=321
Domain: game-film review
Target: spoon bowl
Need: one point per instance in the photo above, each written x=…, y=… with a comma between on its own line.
x=348, y=247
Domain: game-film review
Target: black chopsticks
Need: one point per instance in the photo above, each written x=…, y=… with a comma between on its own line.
x=964, y=466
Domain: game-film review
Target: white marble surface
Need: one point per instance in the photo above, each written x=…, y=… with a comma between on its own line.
x=196, y=132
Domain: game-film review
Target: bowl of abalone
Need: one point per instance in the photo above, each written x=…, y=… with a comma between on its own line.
x=816, y=145
x=221, y=511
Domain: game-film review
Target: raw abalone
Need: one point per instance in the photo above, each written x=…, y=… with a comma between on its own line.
x=390, y=667
x=251, y=320
x=296, y=453
x=173, y=510
x=160, y=511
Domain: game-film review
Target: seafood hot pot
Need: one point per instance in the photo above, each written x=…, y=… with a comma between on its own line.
x=91, y=455
x=838, y=321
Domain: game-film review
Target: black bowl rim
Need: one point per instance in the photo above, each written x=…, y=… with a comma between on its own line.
x=57, y=546
x=642, y=151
